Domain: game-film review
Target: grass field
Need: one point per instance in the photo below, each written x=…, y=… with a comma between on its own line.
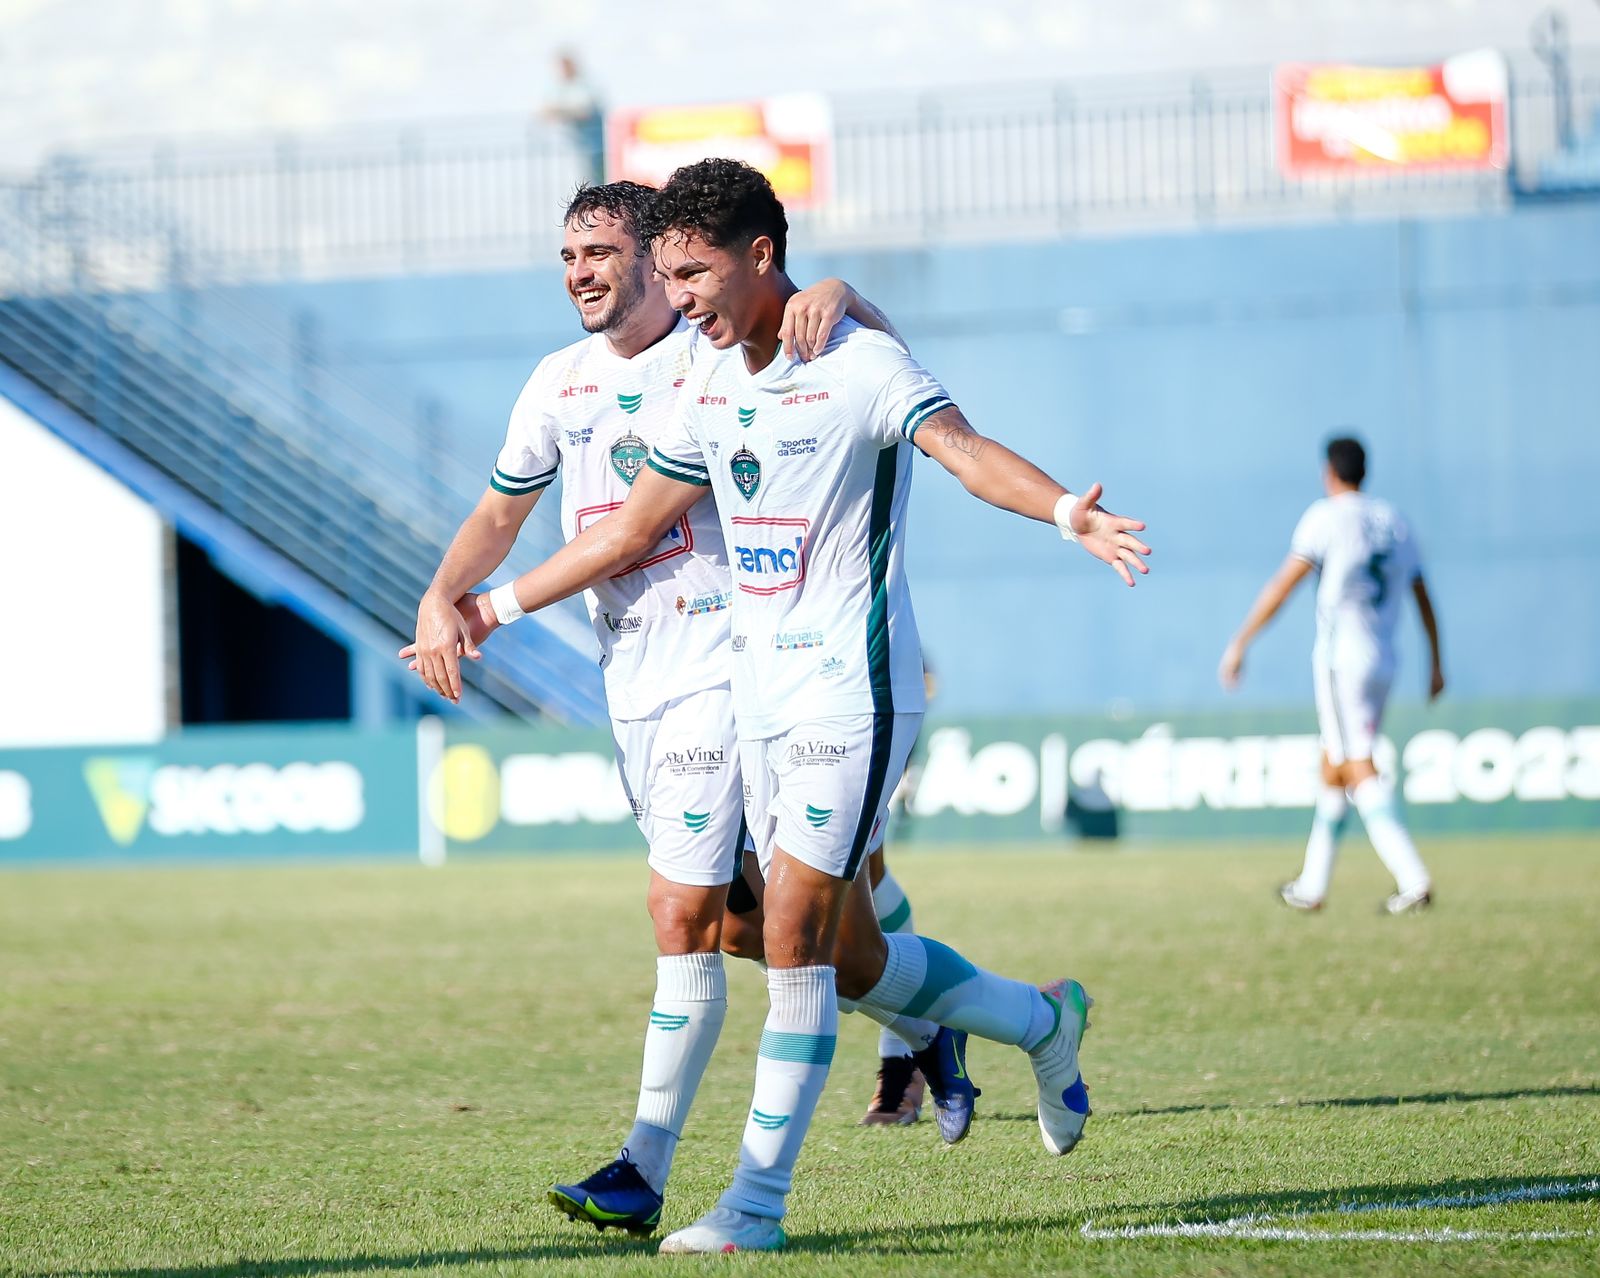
x=307, y=1071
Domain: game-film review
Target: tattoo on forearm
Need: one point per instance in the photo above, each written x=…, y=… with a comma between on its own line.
x=952, y=431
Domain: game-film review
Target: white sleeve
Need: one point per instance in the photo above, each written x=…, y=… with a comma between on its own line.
x=1310, y=540
x=529, y=458
x=677, y=453
x=893, y=394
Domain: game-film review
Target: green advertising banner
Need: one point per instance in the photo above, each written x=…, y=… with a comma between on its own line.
x=435, y=791
x=1236, y=774
x=214, y=793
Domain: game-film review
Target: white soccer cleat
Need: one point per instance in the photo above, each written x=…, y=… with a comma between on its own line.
x=721, y=1231
x=1063, y=1099
x=1289, y=894
x=1408, y=902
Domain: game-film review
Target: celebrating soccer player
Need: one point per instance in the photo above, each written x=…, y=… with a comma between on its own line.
x=811, y=466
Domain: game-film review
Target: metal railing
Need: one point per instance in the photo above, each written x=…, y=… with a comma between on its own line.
x=1020, y=161
x=350, y=492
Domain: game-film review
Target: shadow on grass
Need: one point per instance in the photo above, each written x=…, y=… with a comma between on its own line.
x=1332, y=1102
x=604, y=1247
x=951, y=1237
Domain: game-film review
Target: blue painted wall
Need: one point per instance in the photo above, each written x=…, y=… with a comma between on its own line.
x=1196, y=376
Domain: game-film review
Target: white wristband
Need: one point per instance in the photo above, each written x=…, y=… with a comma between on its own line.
x=503, y=600
x=1063, y=516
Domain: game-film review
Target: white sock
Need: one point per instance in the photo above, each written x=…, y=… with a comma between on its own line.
x=894, y=915
x=685, y=1020
x=1375, y=801
x=926, y=979
x=791, y=1068
x=1327, y=824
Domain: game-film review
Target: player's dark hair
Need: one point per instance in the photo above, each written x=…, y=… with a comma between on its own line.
x=628, y=202
x=1348, y=459
x=726, y=203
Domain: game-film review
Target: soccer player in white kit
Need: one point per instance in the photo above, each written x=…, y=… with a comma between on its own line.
x=1366, y=557
x=591, y=411
x=810, y=465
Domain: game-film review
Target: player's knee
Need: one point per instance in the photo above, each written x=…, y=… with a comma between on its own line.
x=687, y=919
x=741, y=937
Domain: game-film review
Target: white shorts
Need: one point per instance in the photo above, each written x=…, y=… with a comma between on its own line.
x=680, y=768
x=820, y=790
x=1350, y=703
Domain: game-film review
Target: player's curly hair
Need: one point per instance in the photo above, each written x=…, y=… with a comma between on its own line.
x=727, y=203
x=628, y=202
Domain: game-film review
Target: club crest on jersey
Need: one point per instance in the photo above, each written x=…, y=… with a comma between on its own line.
x=629, y=403
x=746, y=416
x=746, y=469
x=627, y=457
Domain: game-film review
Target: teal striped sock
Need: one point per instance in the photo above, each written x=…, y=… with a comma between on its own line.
x=924, y=978
x=791, y=1068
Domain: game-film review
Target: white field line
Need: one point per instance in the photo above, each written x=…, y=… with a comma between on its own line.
x=1260, y=1226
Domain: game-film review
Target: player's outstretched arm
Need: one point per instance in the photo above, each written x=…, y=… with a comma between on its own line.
x=811, y=314
x=602, y=550
x=1272, y=597
x=1430, y=626
x=993, y=473
x=481, y=544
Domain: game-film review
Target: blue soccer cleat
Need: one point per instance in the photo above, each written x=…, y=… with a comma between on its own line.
x=944, y=1064
x=615, y=1197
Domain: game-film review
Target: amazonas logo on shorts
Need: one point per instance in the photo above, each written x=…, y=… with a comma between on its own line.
x=769, y=555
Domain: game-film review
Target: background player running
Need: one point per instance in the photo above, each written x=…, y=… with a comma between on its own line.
x=1365, y=555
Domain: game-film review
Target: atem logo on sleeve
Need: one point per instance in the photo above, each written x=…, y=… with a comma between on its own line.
x=769, y=555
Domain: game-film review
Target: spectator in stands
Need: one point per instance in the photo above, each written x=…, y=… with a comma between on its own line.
x=576, y=107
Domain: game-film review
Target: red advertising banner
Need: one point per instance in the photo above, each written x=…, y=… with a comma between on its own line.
x=788, y=138
x=1335, y=119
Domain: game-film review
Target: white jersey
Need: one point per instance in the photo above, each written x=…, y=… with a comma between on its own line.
x=597, y=414
x=811, y=468
x=1366, y=557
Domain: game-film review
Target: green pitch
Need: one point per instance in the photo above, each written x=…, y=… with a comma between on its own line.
x=303, y=1071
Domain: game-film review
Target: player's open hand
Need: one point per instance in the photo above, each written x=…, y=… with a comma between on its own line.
x=446, y=633
x=1231, y=666
x=1109, y=537
x=809, y=317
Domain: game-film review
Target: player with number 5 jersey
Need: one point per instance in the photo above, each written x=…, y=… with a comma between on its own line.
x=1366, y=559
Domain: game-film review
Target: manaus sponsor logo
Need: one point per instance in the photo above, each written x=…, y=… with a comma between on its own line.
x=697, y=605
